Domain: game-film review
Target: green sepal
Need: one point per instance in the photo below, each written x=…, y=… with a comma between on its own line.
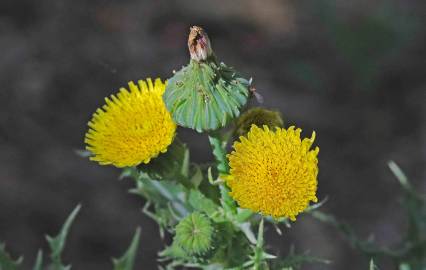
x=127, y=261
x=205, y=95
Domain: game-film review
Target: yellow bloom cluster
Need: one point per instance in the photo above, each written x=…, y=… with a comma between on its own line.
x=274, y=172
x=132, y=127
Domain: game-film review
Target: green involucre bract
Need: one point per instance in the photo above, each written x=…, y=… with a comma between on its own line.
x=194, y=233
x=206, y=95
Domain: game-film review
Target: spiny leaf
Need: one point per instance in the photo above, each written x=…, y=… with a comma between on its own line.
x=39, y=261
x=295, y=261
x=174, y=251
x=57, y=243
x=199, y=202
x=233, y=248
x=6, y=261
x=83, y=153
x=404, y=266
x=246, y=229
x=399, y=174
x=373, y=265
x=127, y=261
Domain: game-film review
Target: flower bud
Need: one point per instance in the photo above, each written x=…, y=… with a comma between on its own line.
x=194, y=234
x=205, y=95
x=259, y=117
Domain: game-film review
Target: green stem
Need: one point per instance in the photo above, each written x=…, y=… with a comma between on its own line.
x=258, y=252
x=219, y=153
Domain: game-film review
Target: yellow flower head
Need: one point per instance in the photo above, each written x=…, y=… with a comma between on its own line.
x=274, y=172
x=132, y=127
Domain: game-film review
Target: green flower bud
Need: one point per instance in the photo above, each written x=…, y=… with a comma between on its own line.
x=205, y=95
x=259, y=117
x=194, y=234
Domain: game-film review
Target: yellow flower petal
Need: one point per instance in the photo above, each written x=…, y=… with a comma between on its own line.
x=132, y=127
x=274, y=172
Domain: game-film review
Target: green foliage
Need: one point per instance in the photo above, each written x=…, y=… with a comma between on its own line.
x=127, y=261
x=6, y=261
x=373, y=266
x=199, y=202
x=38, y=265
x=206, y=95
x=172, y=165
x=232, y=247
x=295, y=260
x=411, y=251
x=187, y=210
x=218, y=145
x=57, y=243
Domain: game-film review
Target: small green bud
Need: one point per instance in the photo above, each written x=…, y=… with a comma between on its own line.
x=259, y=117
x=194, y=234
x=205, y=95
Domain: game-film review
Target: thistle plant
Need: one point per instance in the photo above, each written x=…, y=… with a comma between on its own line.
x=215, y=213
x=264, y=173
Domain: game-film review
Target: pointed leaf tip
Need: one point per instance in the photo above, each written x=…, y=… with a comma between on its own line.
x=399, y=174
x=6, y=261
x=127, y=261
x=57, y=243
x=38, y=265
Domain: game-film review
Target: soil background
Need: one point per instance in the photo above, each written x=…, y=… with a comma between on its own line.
x=353, y=71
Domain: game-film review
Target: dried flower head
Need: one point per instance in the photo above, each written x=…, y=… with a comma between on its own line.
x=274, y=172
x=199, y=44
x=133, y=127
x=205, y=95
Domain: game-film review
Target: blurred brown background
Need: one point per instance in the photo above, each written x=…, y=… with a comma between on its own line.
x=354, y=71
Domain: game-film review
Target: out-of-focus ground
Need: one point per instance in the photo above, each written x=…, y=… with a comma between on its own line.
x=353, y=71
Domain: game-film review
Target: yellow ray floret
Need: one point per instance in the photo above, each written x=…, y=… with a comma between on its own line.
x=132, y=127
x=274, y=172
